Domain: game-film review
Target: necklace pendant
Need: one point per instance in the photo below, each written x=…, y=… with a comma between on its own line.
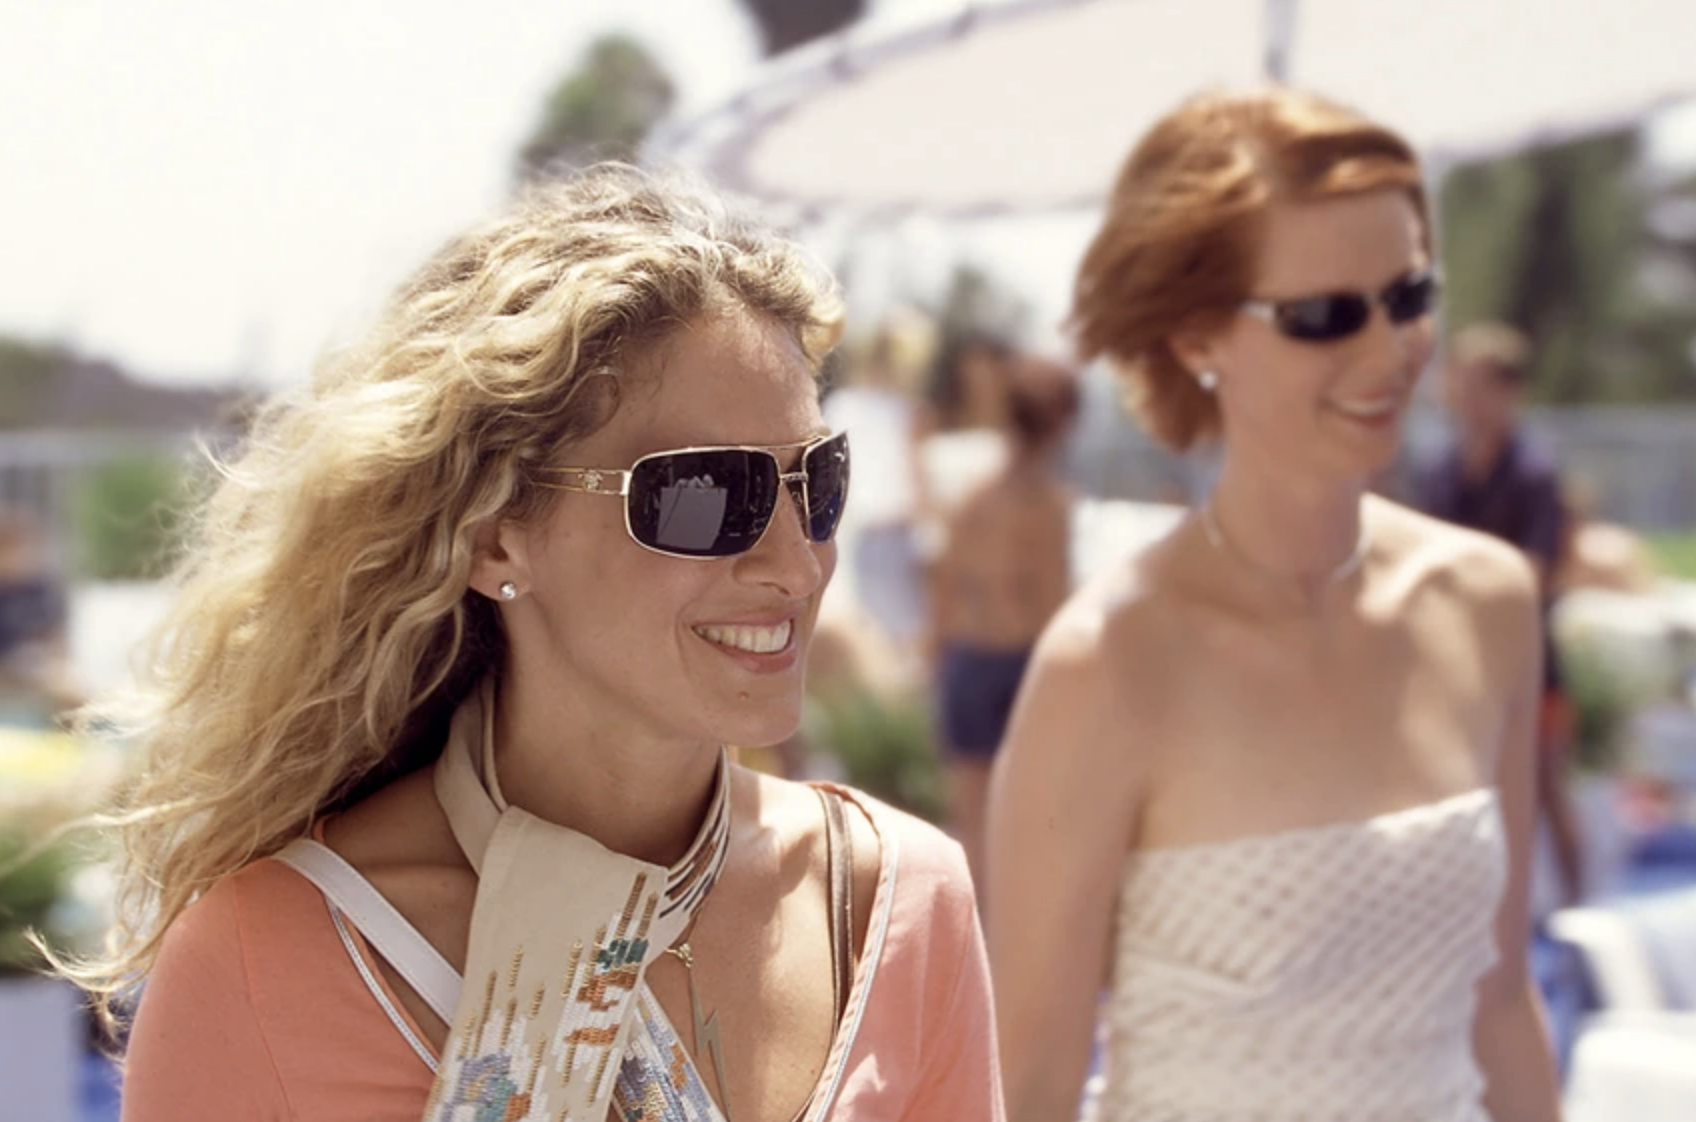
x=705, y=1028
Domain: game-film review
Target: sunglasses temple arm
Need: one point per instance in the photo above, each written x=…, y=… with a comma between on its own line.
x=591, y=481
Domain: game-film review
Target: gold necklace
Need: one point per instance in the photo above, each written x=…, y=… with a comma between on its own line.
x=1344, y=570
x=705, y=1030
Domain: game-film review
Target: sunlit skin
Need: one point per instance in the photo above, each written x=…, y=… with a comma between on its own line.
x=608, y=637
x=1309, y=425
x=1199, y=693
x=613, y=705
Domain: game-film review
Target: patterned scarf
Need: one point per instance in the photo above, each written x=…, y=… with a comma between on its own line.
x=555, y=1020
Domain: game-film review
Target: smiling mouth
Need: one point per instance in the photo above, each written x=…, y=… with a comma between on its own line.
x=1369, y=410
x=754, y=640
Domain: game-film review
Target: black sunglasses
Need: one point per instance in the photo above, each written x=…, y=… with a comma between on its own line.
x=1337, y=315
x=717, y=502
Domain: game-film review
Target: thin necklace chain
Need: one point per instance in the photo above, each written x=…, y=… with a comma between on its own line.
x=1343, y=571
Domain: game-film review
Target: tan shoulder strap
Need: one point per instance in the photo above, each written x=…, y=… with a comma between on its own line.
x=839, y=841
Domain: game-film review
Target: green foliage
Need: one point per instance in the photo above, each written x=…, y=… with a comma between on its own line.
x=1481, y=208
x=129, y=517
x=29, y=894
x=1676, y=553
x=601, y=111
x=885, y=749
x=1553, y=240
x=1603, y=702
x=54, y=879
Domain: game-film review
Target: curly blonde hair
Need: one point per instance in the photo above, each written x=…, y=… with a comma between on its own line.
x=1179, y=244
x=324, y=630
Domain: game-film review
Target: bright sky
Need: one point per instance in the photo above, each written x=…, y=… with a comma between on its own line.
x=225, y=189
x=228, y=190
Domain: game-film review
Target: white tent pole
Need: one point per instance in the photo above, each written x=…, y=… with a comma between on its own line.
x=1280, y=38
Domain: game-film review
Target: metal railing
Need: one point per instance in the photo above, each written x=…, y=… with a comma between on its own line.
x=1635, y=465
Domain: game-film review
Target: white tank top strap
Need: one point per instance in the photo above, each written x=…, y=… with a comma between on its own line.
x=388, y=932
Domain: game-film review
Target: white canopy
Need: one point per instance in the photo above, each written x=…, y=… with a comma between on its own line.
x=1024, y=105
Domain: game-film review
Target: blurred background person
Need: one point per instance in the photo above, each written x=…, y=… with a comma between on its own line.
x=1270, y=781
x=969, y=386
x=1496, y=478
x=1004, y=569
x=966, y=443
x=879, y=404
x=1600, y=554
x=35, y=681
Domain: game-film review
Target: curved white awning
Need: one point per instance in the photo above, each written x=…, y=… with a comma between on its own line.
x=1027, y=105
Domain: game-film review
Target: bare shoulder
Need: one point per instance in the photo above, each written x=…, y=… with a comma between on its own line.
x=1486, y=571
x=932, y=877
x=933, y=873
x=1097, y=671
x=1471, y=576
x=399, y=840
x=789, y=821
x=922, y=848
x=1115, y=624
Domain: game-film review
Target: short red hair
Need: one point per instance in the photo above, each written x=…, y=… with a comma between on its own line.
x=1177, y=249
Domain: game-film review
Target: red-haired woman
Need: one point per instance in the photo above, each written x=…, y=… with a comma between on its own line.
x=1270, y=781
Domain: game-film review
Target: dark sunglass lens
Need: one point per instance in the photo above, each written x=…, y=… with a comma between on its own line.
x=1410, y=297
x=703, y=504
x=1323, y=318
x=827, y=486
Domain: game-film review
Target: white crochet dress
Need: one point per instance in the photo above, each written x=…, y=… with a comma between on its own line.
x=1319, y=975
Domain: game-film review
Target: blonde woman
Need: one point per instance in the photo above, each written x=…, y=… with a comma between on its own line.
x=435, y=819
x=1270, y=781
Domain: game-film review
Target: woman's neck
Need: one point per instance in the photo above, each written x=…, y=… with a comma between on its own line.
x=1030, y=461
x=1304, y=532
x=570, y=764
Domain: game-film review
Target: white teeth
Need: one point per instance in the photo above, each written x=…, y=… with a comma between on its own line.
x=758, y=640
x=1369, y=408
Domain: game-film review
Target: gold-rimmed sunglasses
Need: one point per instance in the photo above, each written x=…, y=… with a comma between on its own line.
x=717, y=501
